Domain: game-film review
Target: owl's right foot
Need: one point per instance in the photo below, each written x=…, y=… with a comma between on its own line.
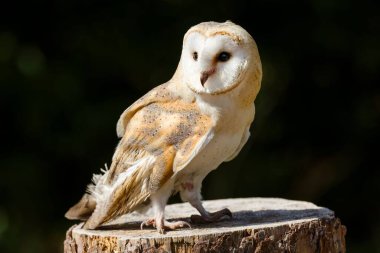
x=163, y=225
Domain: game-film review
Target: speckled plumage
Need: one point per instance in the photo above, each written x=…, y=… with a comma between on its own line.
x=178, y=132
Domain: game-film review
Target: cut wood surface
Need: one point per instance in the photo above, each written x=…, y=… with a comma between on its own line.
x=257, y=225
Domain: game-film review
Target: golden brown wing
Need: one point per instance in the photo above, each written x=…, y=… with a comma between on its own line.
x=156, y=134
x=159, y=94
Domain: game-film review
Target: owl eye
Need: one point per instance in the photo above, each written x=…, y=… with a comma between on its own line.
x=195, y=56
x=224, y=56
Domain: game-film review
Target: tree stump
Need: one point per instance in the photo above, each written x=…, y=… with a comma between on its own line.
x=257, y=225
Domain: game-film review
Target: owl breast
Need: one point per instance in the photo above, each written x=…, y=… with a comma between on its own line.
x=222, y=146
x=226, y=140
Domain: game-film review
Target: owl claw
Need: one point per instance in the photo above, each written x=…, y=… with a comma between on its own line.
x=148, y=222
x=211, y=217
x=176, y=224
x=166, y=225
x=227, y=212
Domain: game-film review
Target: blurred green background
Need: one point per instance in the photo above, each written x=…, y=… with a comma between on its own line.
x=69, y=68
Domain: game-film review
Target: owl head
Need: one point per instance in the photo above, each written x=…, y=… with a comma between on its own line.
x=218, y=57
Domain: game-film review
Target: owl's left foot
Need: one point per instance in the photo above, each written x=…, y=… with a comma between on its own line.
x=211, y=217
x=161, y=226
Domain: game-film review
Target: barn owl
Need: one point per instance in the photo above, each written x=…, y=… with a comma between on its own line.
x=178, y=132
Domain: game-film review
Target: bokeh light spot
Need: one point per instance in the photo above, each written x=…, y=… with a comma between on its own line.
x=3, y=222
x=7, y=45
x=31, y=61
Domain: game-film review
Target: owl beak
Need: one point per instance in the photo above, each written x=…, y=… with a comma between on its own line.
x=206, y=74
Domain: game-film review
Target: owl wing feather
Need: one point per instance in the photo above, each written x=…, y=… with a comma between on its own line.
x=157, y=94
x=161, y=134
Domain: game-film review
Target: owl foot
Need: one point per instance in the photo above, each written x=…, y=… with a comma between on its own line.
x=161, y=226
x=211, y=217
x=172, y=225
x=148, y=222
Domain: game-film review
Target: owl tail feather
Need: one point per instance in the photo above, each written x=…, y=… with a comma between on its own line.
x=83, y=209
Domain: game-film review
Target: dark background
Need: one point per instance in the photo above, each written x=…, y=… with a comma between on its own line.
x=69, y=68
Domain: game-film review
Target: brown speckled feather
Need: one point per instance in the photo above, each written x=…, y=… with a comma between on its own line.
x=160, y=133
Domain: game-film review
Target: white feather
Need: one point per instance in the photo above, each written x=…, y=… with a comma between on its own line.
x=102, y=191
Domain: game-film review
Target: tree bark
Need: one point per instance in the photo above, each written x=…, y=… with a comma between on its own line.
x=257, y=225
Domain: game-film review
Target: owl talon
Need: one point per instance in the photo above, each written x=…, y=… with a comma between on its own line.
x=176, y=224
x=226, y=212
x=166, y=225
x=148, y=222
x=211, y=217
